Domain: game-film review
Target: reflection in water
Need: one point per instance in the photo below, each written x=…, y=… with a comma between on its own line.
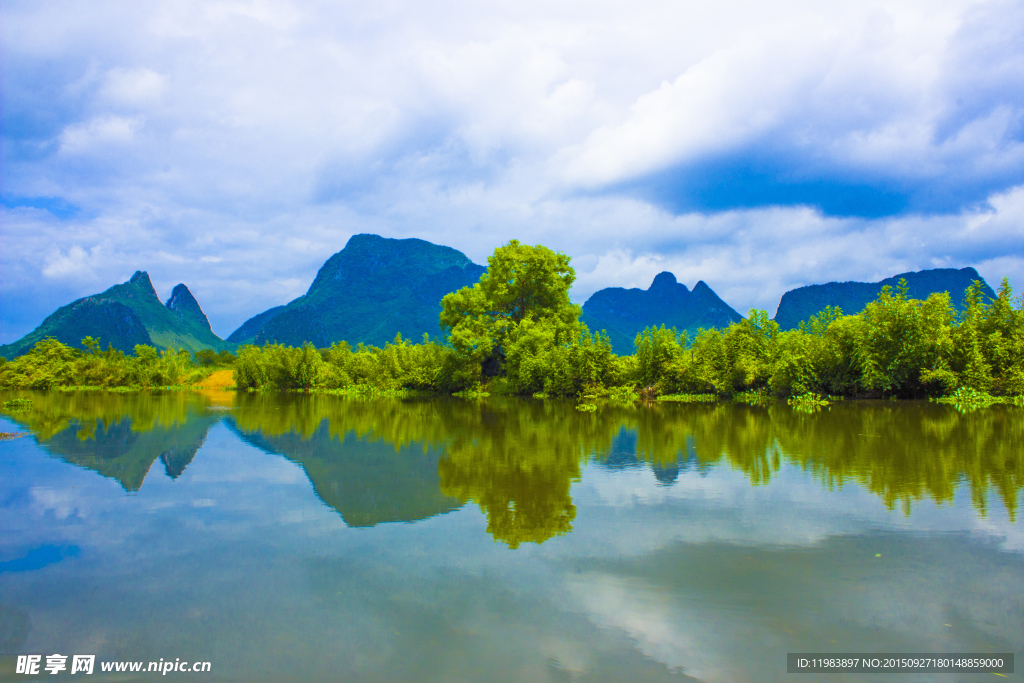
x=394, y=460
x=14, y=628
x=367, y=481
x=674, y=569
x=120, y=435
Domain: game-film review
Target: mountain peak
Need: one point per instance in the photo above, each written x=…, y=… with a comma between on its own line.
x=185, y=305
x=702, y=286
x=141, y=280
x=663, y=280
x=623, y=313
x=367, y=292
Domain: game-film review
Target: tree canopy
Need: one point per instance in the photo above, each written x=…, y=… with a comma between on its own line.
x=523, y=284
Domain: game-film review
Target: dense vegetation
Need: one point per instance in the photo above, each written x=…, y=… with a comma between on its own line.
x=515, y=331
x=51, y=364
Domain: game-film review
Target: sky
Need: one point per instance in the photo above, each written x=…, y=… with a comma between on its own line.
x=235, y=145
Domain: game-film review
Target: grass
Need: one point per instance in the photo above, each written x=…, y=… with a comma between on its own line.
x=689, y=398
x=17, y=404
x=754, y=397
x=808, y=402
x=966, y=399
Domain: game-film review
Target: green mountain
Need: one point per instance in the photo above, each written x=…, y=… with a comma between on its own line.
x=623, y=313
x=126, y=315
x=246, y=334
x=368, y=292
x=797, y=305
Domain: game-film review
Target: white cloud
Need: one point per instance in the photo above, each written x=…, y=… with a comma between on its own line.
x=97, y=134
x=73, y=263
x=236, y=145
x=133, y=87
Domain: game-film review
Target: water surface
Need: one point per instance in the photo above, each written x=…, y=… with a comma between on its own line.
x=314, y=538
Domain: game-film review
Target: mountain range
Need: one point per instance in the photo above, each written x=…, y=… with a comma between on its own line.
x=125, y=315
x=797, y=305
x=377, y=287
x=623, y=313
x=368, y=292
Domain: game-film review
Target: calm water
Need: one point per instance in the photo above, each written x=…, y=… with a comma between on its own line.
x=317, y=538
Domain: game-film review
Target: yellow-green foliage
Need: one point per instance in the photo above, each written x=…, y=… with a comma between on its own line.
x=517, y=459
x=51, y=364
x=689, y=398
x=427, y=366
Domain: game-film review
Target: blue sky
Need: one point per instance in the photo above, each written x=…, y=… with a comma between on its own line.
x=234, y=146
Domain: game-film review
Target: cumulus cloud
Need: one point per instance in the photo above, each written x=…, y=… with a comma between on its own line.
x=235, y=145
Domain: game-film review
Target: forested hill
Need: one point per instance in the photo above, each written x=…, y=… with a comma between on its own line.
x=125, y=315
x=623, y=313
x=368, y=292
x=797, y=305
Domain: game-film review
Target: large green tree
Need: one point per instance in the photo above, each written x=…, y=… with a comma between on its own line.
x=523, y=285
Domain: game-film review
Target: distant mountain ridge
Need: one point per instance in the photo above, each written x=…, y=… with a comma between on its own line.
x=376, y=287
x=125, y=315
x=368, y=292
x=797, y=305
x=623, y=313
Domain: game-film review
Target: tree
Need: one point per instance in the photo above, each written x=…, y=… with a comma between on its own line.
x=522, y=283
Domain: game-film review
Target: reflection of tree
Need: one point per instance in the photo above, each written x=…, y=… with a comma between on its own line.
x=53, y=411
x=517, y=460
x=903, y=453
x=524, y=492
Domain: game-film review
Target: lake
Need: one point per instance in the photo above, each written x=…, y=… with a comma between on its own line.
x=319, y=538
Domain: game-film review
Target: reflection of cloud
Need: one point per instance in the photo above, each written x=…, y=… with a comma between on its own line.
x=62, y=504
x=793, y=510
x=709, y=575
x=686, y=642
x=723, y=612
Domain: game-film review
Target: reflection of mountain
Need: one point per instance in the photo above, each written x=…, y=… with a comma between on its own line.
x=115, y=450
x=367, y=481
x=388, y=460
x=623, y=453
